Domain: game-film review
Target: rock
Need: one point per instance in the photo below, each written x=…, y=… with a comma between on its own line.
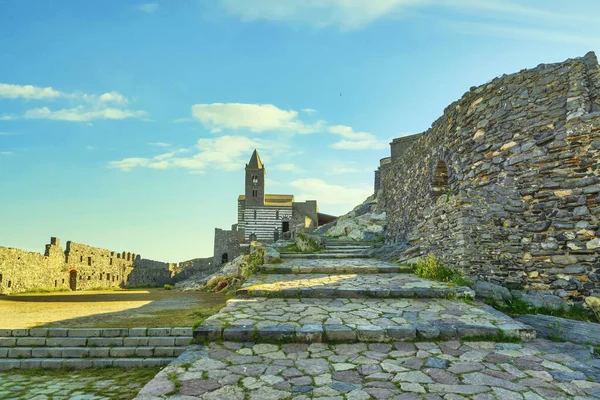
x=491, y=291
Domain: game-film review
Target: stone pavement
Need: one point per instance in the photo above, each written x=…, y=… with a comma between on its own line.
x=281, y=338
x=448, y=370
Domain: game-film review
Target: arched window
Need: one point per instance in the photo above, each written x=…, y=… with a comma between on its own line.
x=276, y=214
x=441, y=180
x=254, y=214
x=255, y=179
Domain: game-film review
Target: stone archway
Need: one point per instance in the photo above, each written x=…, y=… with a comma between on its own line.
x=73, y=279
x=224, y=258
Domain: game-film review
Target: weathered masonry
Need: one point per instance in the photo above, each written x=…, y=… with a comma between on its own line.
x=84, y=267
x=506, y=183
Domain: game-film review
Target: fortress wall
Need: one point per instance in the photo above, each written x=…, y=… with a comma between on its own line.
x=186, y=269
x=227, y=242
x=506, y=183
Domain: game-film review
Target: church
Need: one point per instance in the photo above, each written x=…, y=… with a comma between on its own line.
x=265, y=217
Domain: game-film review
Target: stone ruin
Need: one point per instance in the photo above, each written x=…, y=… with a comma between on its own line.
x=505, y=184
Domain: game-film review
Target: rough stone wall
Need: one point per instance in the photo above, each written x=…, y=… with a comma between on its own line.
x=305, y=217
x=505, y=185
x=227, y=242
x=187, y=269
x=81, y=267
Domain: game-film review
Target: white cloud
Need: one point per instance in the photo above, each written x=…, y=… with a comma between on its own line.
x=7, y=117
x=113, y=97
x=347, y=14
x=356, y=140
x=223, y=153
x=309, y=110
x=330, y=194
x=7, y=133
x=254, y=117
x=288, y=168
x=28, y=92
x=79, y=114
x=159, y=144
x=90, y=147
x=5, y=153
x=148, y=8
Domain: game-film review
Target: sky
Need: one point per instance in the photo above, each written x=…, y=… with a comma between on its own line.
x=126, y=125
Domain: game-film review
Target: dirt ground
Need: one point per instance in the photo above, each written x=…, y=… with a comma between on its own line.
x=122, y=308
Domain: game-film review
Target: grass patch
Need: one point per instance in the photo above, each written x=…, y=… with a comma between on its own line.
x=168, y=287
x=173, y=377
x=111, y=383
x=516, y=306
x=46, y=290
x=431, y=268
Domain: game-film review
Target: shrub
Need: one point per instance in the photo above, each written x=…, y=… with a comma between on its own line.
x=431, y=268
x=168, y=287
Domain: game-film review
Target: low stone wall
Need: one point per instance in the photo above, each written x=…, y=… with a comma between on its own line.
x=505, y=185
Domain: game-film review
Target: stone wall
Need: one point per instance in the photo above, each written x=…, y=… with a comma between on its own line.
x=505, y=185
x=81, y=267
x=227, y=245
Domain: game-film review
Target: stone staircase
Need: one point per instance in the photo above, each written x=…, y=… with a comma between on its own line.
x=91, y=347
x=341, y=294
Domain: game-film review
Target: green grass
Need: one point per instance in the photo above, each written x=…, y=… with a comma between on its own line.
x=431, y=268
x=111, y=383
x=516, y=306
x=46, y=290
x=168, y=287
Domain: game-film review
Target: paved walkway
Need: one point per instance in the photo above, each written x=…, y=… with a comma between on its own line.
x=389, y=319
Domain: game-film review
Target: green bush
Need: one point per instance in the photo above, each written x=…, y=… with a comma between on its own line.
x=168, y=287
x=431, y=268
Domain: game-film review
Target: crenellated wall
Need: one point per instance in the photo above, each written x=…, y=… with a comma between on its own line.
x=506, y=183
x=81, y=267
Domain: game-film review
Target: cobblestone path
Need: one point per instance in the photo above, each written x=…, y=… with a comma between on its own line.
x=350, y=329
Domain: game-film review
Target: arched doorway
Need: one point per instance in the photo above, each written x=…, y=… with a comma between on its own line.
x=224, y=258
x=73, y=279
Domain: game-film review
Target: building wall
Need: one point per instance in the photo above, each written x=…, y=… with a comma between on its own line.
x=227, y=242
x=266, y=221
x=506, y=183
x=90, y=267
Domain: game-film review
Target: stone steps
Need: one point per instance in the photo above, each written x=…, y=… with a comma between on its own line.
x=91, y=347
x=80, y=363
x=314, y=320
x=90, y=352
x=348, y=286
x=322, y=256
x=335, y=266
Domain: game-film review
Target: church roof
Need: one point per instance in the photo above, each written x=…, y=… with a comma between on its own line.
x=275, y=200
x=255, y=162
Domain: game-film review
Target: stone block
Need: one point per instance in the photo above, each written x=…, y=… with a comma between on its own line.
x=447, y=332
x=122, y=352
x=75, y=352
x=5, y=332
x=102, y=362
x=183, y=340
x=278, y=333
x=66, y=342
x=159, y=332
x=144, y=351
x=164, y=351
x=401, y=332
x=52, y=363
x=177, y=351
x=156, y=362
x=135, y=341
x=205, y=333
x=77, y=363
x=20, y=332
x=58, y=332
x=31, y=341
x=3, y=352
x=137, y=331
x=105, y=341
x=38, y=332
x=311, y=333
x=427, y=332
x=6, y=364
x=99, y=352
x=181, y=331
x=339, y=333
x=114, y=332
x=31, y=363
x=8, y=341
x=46, y=352
x=489, y=290
x=239, y=334
x=466, y=331
x=161, y=341
x=128, y=362
x=19, y=352
x=370, y=333
x=83, y=332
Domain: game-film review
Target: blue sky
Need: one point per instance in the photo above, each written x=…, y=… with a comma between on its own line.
x=126, y=125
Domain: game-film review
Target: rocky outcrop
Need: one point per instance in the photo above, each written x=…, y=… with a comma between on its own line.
x=197, y=281
x=366, y=222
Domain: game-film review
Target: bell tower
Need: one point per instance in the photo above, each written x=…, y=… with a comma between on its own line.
x=255, y=181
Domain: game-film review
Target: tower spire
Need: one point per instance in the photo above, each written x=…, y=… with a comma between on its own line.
x=255, y=162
